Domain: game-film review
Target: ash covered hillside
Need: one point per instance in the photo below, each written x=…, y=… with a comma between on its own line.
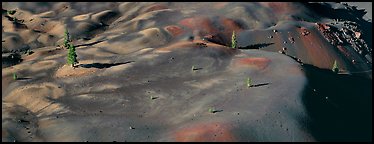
x=168, y=71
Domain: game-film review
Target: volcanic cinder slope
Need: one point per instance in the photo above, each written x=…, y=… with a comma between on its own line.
x=166, y=71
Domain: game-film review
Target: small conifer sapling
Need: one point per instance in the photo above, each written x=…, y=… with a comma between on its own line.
x=249, y=82
x=211, y=110
x=233, y=40
x=335, y=67
x=72, y=56
x=15, y=76
x=11, y=12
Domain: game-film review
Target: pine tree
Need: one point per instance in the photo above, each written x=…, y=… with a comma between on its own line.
x=249, y=82
x=66, y=38
x=233, y=40
x=72, y=55
x=15, y=77
x=335, y=67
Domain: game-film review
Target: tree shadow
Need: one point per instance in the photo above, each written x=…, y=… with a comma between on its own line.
x=90, y=44
x=258, y=85
x=339, y=106
x=195, y=69
x=24, y=78
x=18, y=23
x=256, y=46
x=215, y=111
x=103, y=65
x=152, y=98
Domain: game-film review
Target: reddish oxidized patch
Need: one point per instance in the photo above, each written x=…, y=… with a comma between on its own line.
x=174, y=30
x=259, y=62
x=203, y=24
x=230, y=25
x=316, y=51
x=187, y=22
x=205, y=132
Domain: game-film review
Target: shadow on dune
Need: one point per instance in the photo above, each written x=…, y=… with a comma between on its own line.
x=11, y=59
x=103, y=65
x=256, y=46
x=339, y=106
x=17, y=23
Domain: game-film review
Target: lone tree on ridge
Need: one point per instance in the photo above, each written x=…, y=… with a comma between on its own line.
x=233, y=40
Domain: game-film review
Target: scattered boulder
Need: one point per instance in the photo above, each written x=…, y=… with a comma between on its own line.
x=358, y=34
x=305, y=32
x=291, y=39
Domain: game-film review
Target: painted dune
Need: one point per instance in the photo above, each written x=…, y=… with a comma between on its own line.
x=166, y=71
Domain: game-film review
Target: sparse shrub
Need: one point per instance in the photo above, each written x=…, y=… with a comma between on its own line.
x=72, y=55
x=335, y=67
x=29, y=52
x=249, y=82
x=211, y=110
x=233, y=40
x=15, y=77
x=11, y=12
